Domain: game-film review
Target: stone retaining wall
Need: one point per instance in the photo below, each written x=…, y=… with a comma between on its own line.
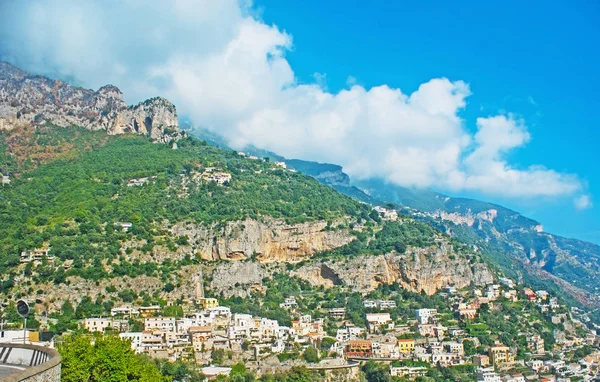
x=42, y=363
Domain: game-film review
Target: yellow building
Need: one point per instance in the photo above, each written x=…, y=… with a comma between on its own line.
x=406, y=346
x=207, y=303
x=501, y=355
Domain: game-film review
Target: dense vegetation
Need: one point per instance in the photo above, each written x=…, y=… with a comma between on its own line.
x=73, y=202
x=107, y=358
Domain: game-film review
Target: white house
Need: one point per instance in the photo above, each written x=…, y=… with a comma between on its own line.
x=376, y=321
x=425, y=315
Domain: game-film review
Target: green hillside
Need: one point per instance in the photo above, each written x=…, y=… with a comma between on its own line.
x=73, y=201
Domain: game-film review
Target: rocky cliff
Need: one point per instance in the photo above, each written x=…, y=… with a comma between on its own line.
x=38, y=99
x=418, y=269
x=269, y=240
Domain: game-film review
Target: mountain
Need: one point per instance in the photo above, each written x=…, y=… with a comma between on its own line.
x=97, y=210
x=326, y=173
x=33, y=99
x=516, y=242
x=574, y=261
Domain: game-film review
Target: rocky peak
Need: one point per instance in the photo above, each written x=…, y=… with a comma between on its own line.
x=110, y=91
x=7, y=70
x=38, y=100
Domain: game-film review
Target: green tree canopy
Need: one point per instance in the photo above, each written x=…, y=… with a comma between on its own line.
x=108, y=359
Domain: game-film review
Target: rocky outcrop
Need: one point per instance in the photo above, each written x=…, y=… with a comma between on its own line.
x=153, y=117
x=239, y=278
x=38, y=99
x=268, y=240
x=419, y=270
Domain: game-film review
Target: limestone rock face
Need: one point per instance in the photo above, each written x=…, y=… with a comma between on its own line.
x=418, y=269
x=38, y=99
x=151, y=117
x=237, y=278
x=269, y=240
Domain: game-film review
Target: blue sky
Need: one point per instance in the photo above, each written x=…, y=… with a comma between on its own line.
x=537, y=59
x=469, y=98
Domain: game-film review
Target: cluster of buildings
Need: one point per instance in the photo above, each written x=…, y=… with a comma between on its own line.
x=379, y=304
x=435, y=344
x=421, y=339
x=386, y=213
x=197, y=334
x=211, y=175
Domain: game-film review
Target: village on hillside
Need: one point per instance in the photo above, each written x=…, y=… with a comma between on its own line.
x=215, y=338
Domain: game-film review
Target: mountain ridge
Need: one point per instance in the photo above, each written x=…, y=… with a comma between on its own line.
x=575, y=262
x=35, y=99
x=101, y=180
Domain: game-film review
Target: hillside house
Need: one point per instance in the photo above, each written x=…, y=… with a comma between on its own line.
x=359, y=349
x=36, y=255
x=101, y=324
x=378, y=321
x=468, y=314
x=164, y=324
x=386, y=304
x=337, y=313
x=349, y=333
x=124, y=226
x=218, y=177
x=501, y=355
x=369, y=304
x=96, y=324
x=149, y=311
x=289, y=303
x=530, y=294
x=542, y=294
x=125, y=310
x=137, y=182
x=410, y=372
x=207, y=302
x=386, y=214
x=424, y=316
x=536, y=344
x=487, y=375
x=406, y=346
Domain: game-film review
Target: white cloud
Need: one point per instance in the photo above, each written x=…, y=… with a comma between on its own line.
x=227, y=70
x=583, y=202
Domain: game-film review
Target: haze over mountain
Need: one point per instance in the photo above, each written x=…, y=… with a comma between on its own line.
x=242, y=84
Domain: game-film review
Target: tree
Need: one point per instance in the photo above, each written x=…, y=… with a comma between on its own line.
x=375, y=372
x=469, y=347
x=311, y=355
x=240, y=374
x=299, y=374
x=327, y=343
x=109, y=359
x=180, y=371
x=218, y=355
